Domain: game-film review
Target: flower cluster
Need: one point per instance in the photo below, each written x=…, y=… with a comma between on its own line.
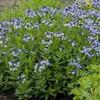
x=46, y=24
x=41, y=65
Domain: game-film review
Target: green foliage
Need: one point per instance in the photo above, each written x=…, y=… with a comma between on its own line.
x=89, y=85
x=24, y=91
x=8, y=78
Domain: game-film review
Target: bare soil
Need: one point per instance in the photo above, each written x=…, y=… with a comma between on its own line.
x=7, y=3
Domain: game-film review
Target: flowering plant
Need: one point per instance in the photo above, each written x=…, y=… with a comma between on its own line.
x=45, y=50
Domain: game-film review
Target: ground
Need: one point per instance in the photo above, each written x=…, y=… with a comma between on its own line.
x=7, y=3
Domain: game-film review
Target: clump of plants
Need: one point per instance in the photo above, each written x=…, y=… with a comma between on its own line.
x=42, y=53
x=88, y=85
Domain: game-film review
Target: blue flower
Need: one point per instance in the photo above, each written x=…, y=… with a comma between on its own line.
x=30, y=13
x=13, y=65
x=45, y=9
x=41, y=65
x=96, y=3
x=36, y=25
x=27, y=37
x=87, y=51
x=75, y=63
x=16, y=52
x=16, y=23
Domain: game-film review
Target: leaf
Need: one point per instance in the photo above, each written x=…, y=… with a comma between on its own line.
x=88, y=2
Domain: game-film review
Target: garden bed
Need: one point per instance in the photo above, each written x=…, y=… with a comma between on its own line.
x=47, y=51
